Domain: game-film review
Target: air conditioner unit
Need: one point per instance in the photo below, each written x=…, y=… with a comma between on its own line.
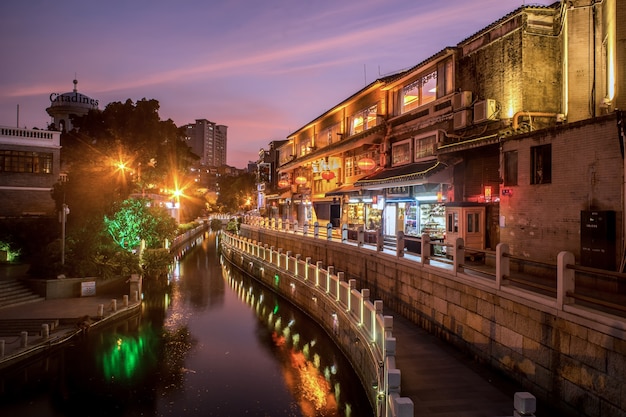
x=461, y=100
x=461, y=119
x=485, y=110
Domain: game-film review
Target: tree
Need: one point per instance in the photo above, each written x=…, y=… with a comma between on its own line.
x=235, y=191
x=137, y=220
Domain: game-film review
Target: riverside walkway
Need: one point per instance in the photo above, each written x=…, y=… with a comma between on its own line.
x=65, y=318
x=440, y=381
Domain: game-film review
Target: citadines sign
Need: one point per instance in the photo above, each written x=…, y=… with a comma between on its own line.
x=73, y=98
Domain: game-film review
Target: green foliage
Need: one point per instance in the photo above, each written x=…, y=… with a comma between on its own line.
x=216, y=225
x=239, y=188
x=156, y=263
x=12, y=252
x=185, y=227
x=115, y=263
x=137, y=220
x=233, y=225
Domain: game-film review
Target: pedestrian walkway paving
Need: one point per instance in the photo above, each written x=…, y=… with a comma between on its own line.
x=442, y=381
x=73, y=315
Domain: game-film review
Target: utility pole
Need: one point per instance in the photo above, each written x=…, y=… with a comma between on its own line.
x=65, y=210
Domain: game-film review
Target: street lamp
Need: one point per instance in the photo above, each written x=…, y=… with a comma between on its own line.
x=177, y=194
x=65, y=210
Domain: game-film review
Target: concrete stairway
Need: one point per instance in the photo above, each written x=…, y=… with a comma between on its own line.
x=13, y=292
x=15, y=327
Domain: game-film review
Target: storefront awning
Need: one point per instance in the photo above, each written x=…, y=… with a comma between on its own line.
x=286, y=194
x=343, y=190
x=410, y=174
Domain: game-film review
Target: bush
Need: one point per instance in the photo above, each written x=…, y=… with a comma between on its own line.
x=156, y=262
x=216, y=225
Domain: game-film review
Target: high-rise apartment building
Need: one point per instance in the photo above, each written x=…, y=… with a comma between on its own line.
x=207, y=140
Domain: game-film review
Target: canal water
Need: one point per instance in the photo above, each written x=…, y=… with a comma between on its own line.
x=208, y=342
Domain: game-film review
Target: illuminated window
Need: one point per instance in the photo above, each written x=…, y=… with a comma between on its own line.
x=363, y=120
x=541, y=164
x=419, y=92
x=428, y=86
x=26, y=162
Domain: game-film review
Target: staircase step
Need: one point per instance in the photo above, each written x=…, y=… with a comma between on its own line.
x=13, y=292
x=32, y=326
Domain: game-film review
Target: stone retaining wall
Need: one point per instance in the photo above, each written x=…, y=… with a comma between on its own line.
x=572, y=357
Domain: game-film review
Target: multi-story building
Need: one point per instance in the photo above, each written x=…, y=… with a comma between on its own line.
x=269, y=200
x=505, y=137
x=29, y=168
x=208, y=140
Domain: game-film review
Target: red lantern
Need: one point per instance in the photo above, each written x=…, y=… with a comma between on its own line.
x=366, y=164
x=328, y=175
x=300, y=180
x=283, y=183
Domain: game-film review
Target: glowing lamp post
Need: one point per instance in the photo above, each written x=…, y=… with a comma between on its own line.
x=177, y=194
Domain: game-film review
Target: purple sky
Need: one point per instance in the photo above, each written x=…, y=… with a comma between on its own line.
x=262, y=68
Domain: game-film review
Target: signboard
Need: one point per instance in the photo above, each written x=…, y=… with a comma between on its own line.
x=88, y=288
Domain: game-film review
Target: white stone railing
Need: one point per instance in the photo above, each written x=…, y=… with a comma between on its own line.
x=334, y=303
x=30, y=136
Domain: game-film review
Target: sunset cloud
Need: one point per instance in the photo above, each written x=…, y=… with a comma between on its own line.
x=262, y=68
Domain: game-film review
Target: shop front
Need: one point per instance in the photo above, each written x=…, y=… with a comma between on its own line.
x=356, y=209
x=414, y=198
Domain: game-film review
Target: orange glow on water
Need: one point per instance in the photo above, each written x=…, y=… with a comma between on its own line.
x=311, y=389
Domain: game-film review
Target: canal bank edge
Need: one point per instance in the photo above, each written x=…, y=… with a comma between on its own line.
x=570, y=357
x=329, y=300
x=73, y=323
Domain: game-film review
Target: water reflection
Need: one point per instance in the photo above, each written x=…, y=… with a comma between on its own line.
x=312, y=368
x=195, y=349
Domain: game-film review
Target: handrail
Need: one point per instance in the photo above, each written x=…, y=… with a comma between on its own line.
x=564, y=284
x=378, y=333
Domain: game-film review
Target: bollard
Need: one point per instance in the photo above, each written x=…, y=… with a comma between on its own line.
x=344, y=233
x=45, y=331
x=305, y=230
x=329, y=231
x=100, y=310
x=1, y=349
x=524, y=404
x=360, y=236
x=24, y=339
x=135, y=296
x=125, y=301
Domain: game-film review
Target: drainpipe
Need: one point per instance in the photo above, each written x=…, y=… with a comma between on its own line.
x=530, y=114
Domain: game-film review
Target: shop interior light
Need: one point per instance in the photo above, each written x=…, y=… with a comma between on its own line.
x=428, y=198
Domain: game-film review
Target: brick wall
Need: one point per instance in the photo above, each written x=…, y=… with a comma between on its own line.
x=587, y=174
